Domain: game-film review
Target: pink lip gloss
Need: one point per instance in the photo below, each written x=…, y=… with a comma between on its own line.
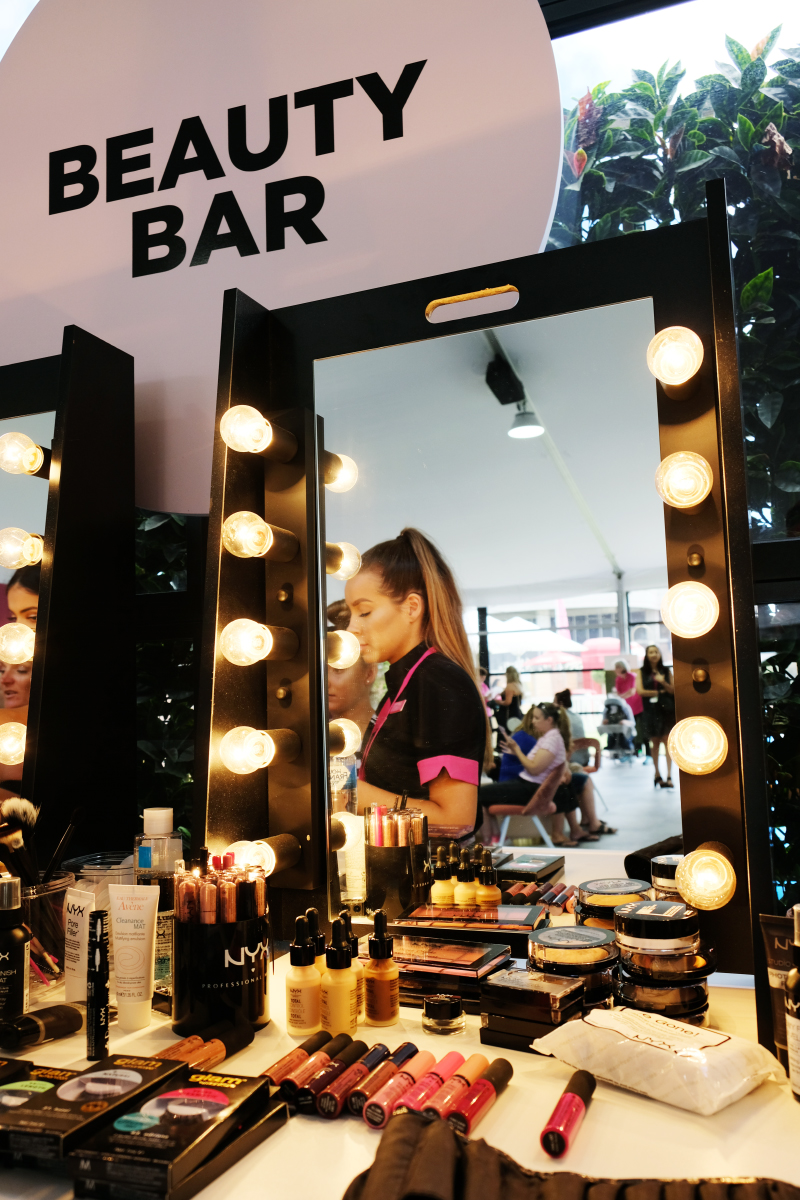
x=566, y=1117
x=442, y=1103
x=378, y=1110
x=417, y=1096
x=478, y=1099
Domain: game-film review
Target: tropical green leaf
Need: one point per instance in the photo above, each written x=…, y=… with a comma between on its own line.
x=758, y=290
x=752, y=77
x=769, y=407
x=737, y=53
x=645, y=77
x=787, y=478
x=745, y=130
x=690, y=159
x=729, y=155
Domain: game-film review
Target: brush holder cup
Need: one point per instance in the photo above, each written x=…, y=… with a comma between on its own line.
x=219, y=973
x=43, y=913
x=390, y=880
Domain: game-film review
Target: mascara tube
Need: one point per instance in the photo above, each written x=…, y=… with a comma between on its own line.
x=97, y=987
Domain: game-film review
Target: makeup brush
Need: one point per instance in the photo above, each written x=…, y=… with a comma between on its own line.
x=61, y=849
x=17, y=821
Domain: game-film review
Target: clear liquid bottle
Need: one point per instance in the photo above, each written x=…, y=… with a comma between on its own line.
x=156, y=852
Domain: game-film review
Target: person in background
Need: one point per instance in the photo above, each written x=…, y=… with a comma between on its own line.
x=564, y=700
x=580, y=783
x=654, y=684
x=625, y=687
x=508, y=701
x=349, y=689
x=526, y=740
x=22, y=595
x=15, y=685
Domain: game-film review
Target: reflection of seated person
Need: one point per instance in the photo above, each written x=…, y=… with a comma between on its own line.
x=15, y=685
x=564, y=700
x=617, y=723
x=526, y=740
x=349, y=693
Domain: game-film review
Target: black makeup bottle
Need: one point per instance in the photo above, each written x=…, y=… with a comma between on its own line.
x=15, y=952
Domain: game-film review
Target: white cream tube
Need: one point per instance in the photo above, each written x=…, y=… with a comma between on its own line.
x=133, y=911
x=77, y=906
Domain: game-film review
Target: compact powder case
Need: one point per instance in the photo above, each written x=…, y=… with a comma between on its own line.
x=577, y=950
x=657, y=926
x=598, y=898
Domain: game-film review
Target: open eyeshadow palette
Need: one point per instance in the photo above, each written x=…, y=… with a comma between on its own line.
x=509, y=923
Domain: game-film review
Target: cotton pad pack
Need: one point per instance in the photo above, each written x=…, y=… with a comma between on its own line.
x=702, y=1070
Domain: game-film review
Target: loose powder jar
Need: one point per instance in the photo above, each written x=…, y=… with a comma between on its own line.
x=659, y=940
x=687, y=1003
x=576, y=950
x=598, y=898
x=662, y=872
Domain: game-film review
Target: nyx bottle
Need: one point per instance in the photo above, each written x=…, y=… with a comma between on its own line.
x=793, y=1011
x=442, y=890
x=156, y=851
x=318, y=938
x=15, y=951
x=355, y=963
x=382, y=977
x=303, y=984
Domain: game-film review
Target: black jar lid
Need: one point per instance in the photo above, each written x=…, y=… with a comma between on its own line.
x=442, y=1008
x=657, y=920
x=663, y=868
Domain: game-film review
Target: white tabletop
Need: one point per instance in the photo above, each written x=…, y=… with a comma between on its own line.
x=623, y=1135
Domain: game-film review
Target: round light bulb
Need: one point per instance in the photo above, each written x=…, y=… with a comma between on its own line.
x=18, y=548
x=351, y=735
x=675, y=355
x=343, y=649
x=351, y=562
x=353, y=827
x=245, y=642
x=346, y=476
x=244, y=749
x=12, y=743
x=19, y=454
x=252, y=854
x=705, y=878
x=246, y=535
x=16, y=644
x=690, y=609
x=243, y=428
x=684, y=479
x=698, y=745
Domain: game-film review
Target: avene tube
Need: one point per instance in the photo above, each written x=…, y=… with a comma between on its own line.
x=133, y=912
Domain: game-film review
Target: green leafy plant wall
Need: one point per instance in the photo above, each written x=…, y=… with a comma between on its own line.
x=639, y=159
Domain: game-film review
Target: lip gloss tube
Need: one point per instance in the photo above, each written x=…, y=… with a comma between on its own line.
x=307, y=1070
x=417, y=1096
x=478, y=1099
x=178, y=1050
x=378, y=1077
x=376, y=823
x=566, y=1117
x=550, y=896
x=515, y=887
x=290, y=1062
x=560, y=902
x=442, y=1103
x=332, y=1099
x=208, y=903
x=306, y=1095
x=378, y=1110
x=188, y=896
x=227, y=902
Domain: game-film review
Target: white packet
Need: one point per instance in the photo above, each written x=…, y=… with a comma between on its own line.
x=702, y=1070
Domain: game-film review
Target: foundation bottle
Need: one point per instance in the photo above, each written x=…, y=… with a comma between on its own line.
x=339, y=990
x=317, y=938
x=487, y=893
x=464, y=894
x=443, y=886
x=355, y=962
x=382, y=977
x=303, y=985
x=454, y=862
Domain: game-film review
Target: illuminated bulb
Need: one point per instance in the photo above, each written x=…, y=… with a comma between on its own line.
x=698, y=745
x=675, y=355
x=684, y=479
x=344, y=733
x=19, y=454
x=244, y=642
x=16, y=644
x=277, y=853
x=343, y=649
x=347, y=831
x=344, y=477
x=347, y=558
x=690, y=609
x=246, y=535
x=705, y=878
x=244, y=749
x=12, y=743
x=243, y=428
x=18, y=548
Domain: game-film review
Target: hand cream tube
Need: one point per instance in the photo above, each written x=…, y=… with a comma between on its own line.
x=133, y=911
x=77, y=907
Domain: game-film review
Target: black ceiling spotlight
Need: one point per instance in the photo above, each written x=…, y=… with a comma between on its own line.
x=503, y=382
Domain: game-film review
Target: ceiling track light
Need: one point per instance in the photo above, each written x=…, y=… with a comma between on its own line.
x=244, y=429
x=247, y=535
x=19, y=548
x=525, y=424
x=339, y=472
x=675, y=356
x=342, y=560
x=245, y=642
x=244, y=749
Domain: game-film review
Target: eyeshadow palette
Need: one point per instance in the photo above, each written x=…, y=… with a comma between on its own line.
x=429, y=955
x=510, y=924
x=532, y=868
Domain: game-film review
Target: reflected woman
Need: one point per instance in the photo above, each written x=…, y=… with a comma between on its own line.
x=431, y=736
x=15, y=685
x=22, y=595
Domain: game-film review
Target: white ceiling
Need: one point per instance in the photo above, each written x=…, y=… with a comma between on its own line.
x=431, y=445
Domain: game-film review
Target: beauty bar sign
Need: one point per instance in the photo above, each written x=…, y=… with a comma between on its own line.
x=163, y=152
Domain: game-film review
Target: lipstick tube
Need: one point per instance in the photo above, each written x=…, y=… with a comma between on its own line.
x=442, y=1103
x=560, y=902
x=567, y=1116
x=550, y=896
x=418, y=1095
x=378, y=1077
x=227, y=901
x=515, y=888
x=333, y=1098
x=178, y=1050
x=378, y=1110
x=306, y=1096
x=479, y=1098
x=295, y=1059
x=188, y=898
x=307, y=1070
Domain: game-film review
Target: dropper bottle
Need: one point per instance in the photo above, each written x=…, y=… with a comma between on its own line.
x=464, y=894
x=355, y=962
x=339, y=991
x=443, y=886
x=317, y=938
x=382, y=977
x=302, y=985
x=454, y=862
x=487, y=893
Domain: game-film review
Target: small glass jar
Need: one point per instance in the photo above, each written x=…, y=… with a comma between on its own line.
x=698, y=962
x=443, y=1014
x=662, y=872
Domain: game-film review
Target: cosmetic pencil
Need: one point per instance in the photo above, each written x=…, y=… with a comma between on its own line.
x=290, y=1062
x=480, y=1097
x=333, y=1097
x=442, y=1103
x=567, y=1116
x=377, y=1111
x=298, y=1078
x=426, y=1087
x=97, y=987
x=379, y=1076
x=305, y=1098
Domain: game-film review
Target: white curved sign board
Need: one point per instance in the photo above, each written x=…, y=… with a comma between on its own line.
x=156, y=153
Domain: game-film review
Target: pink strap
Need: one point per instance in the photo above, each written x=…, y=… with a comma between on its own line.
x=463, y=769
x=387, y=707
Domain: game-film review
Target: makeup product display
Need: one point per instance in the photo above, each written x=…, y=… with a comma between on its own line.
x=169, y=1135
x=509, y=923
x=97, y=1015
x=420, y=956
x=357, y=966
x=379, y=1076
x=133, y=915
x=305, y=1098
x=443, y=1102
x=157, y=851
x=378, y=1109
x=598, y=898
x=295, y=1059
x=480, y=1096
x=221, y=947
x=662, y=873
x=15, y=951
x=77, y=909
x=487, y=893
x=396, y=853
x=381, y=977
x=577, y=951
x=444, y=1014
x=567, y=1116
x=338, y=985
x=299, y=1076
x=530, y=868
x=426, y=1087
x=793, y=1011
x=443, y=888
x=659, y=942
x=303, y=984
x=318, y=939
x=334, y=1096
x=778, y=935
x=62, y=1116
x=687, y=1002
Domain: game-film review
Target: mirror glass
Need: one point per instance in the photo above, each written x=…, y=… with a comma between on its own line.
x=23, y=505
x=556, y=540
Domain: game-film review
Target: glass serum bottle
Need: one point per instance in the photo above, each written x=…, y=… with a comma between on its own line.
x=156, y=852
